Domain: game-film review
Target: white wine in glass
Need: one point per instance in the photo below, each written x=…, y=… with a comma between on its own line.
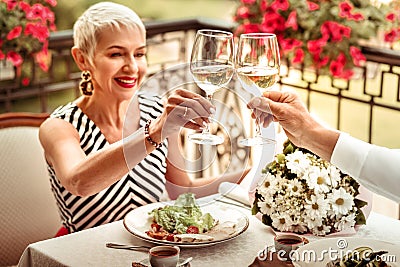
x=212, y=67
x=257, y=67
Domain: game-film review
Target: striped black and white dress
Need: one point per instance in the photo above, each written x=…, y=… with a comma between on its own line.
x=144, y=184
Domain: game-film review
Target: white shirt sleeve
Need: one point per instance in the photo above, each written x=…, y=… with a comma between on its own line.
x=377, y=168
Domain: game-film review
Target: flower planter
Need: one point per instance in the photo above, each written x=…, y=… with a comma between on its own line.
x=7, y=71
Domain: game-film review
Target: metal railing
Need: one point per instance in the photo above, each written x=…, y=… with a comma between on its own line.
x=168, y=43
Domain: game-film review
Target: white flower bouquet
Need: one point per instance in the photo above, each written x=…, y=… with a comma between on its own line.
x=302, y=193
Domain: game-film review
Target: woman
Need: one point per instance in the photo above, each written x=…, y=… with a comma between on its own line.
x=97, y=177
x=375, y=167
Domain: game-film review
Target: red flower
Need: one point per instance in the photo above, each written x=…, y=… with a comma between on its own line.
x=316, y=46
x=15, y=58
x=2, y=56
x=280, y=5
x=357, y=56
x=336, y=68
x=25, y=81
x=14, y=33
x=263, y=5
x=242, y=12
x=391, y=36
x=292, y=20
x=41, y=32
x=248, y=2
x=273, y=22
x=53, y=3
x=342, y=58
x=345, y=12
x=289, y=44
x=357, y=17
x=312, y=6
x=391, y=17
x=42, y=58
x=335, y=30
x=298, y=56
x=248, y=28
x=320, y=62
x=347, y=74
x=345, y=9
x=24, y=6
x=38, y=11
x=11, y=4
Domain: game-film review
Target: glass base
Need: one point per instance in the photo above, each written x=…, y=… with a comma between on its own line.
x=206, y=139
x=256, y=141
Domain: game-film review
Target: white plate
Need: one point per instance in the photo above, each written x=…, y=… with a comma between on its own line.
x=337, y=247
x=138, y=222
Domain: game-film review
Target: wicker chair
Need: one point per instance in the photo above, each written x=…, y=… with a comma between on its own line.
x=28, y=209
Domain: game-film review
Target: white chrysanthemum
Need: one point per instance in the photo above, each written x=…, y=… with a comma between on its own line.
x=334, y=173
x=317, y=206
x=297, y=162
x=321, y=230
x=346, y=222
x=282, y=222
x=265, y=207
x=281, y=204
x=318, y=179
x=341, y=201
x=267, y=186
x=295, y=187
x=313, y=222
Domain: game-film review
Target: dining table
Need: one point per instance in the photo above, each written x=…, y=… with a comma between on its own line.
x=88, y=247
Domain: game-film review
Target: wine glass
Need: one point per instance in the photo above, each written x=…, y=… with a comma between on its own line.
x=212, y=67
x=257, y=67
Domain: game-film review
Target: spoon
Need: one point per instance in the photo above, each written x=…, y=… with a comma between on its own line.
x=130, y=247
x=186, y=261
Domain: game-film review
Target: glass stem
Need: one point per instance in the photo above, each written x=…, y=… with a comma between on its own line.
x=258, y=128
x=206, y=129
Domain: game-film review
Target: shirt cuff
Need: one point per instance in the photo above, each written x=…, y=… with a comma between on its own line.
x=350, y=154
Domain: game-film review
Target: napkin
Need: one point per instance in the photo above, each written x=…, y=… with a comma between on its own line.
x=235, y=192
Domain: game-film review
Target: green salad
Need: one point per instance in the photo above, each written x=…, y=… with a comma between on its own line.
x=184, y=215
x=360, y=257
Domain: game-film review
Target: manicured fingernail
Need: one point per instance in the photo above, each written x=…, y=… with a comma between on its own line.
x=212, y=111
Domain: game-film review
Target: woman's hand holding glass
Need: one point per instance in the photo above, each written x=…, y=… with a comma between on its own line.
x=187, y=109
x=212, y=67
x=257, y=67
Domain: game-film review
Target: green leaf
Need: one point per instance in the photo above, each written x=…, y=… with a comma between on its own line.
x=360, y=203
x=255, y=209
x=266, y=220
x=360, y=218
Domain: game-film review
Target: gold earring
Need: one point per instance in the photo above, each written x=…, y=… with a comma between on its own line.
x=86, y=84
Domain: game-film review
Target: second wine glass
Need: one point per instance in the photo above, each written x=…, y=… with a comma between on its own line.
x=257, y=67
x=212, y=67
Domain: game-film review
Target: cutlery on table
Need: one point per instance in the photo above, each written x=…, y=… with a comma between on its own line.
x=129, y=247
x=184, y=262
x=233, y=202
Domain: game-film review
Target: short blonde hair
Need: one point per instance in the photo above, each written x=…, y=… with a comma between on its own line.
x=99, y=17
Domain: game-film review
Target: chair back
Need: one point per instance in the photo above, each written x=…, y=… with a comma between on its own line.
x=28, y=210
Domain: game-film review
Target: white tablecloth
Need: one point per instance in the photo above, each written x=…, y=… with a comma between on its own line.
x=87, y=248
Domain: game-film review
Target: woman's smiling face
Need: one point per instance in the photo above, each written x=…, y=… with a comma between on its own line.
x=119, y=62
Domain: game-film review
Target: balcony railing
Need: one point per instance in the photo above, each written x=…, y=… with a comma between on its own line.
x=375, y=93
